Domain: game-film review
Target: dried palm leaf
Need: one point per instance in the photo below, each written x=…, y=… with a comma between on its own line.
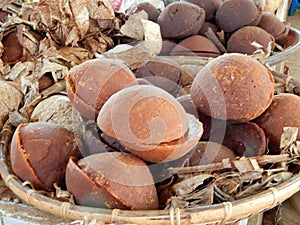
x=189, y=192
x=139, y=53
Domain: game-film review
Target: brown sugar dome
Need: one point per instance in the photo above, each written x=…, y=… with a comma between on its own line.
x=150, y=9
x=241, y=41
x=245, y=139
x=196, y=45
x=233, y=87
x=234, y=14
x=210, y=7
x=91, y=83
x=283, y=112
x=162, y=72
x=112, y=180
x=40, y=152
x=180, y=20
x=274, y=26
x=210, y=152
x=150, y=122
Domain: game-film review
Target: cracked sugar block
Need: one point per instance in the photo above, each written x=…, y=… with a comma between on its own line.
x=106, y=180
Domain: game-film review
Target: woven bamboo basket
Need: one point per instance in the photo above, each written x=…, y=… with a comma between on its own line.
x=221, y=213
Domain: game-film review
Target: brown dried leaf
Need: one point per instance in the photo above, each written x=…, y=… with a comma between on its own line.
x=189, y=185
x=176, y=202
x=288, y=137
x=133, y=27
x=215, y=39
x=57, y=70
x=229, y=184
x=194, y=190
x=27, y=74
x=275, y=179
x=66, y=21
x=166, y=183
x=26, y=42
x=295, y=149
x=248, y=168
x=75, y=55
x=16, y=118
x=246, y=164
x=221, y=196
x=4, y=3
x=101, y=10
x=225, y=165
x=70, y=21
x=255, y=187
x=81, y=15
x=270, y=179
x=29, y=40
x=138, y=54
x=18, y=70
x=250, y=190
x=289, y=143
x=98, y=43
x=10, y=99
x=292, y=85
x=221, y=36
x=12, y=21
x=40, y=14
x=30, y=88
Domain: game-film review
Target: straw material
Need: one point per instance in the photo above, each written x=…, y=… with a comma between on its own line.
x=223, y=213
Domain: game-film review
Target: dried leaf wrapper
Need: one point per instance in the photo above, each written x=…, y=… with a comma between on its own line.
x=196, y=190
x=10, y=100
x=139, y=53
x=133, y=27
x=66, y=21
x=288, y=141
x=73, y=23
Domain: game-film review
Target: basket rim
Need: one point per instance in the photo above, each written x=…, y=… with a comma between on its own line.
x=279, y=57
x=220, y=213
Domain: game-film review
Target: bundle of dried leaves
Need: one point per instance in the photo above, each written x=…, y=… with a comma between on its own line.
x=232, y=180
x=41, y=40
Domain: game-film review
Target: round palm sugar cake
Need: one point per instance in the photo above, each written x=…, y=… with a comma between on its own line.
x=246, y=139
x=210, y=7
x=112, y=180
x=233, y=87
x=196, y=45
x=40, y=151
x=241, y=41
x=234, y=14
x=283, y=112
x=210, y=152
x=274, y=26
x=150, y=123
x=174, y=22
x=143, y=113
x=162, y=72
x=92, y=82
